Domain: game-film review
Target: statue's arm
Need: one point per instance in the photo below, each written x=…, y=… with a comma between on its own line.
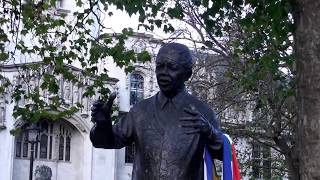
x=110, y=136
x=105, y=135
x=207, y=125
x=214, y=140
x=102, y=136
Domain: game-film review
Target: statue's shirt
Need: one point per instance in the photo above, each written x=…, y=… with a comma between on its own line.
x=163, y=150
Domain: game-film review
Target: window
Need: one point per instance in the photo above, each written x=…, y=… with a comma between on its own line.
x=43, y=146
x=61, y=147
x=59, y=4
x=136, y=88
x=50, y=147
x=18, y=145
x=64, y=143
x=2, y=111
x=261, y=161
x=68, y=141
x=130, y=152
x=47, y=142
x=25, y=148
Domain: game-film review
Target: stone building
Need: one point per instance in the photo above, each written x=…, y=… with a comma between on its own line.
x=65, y=150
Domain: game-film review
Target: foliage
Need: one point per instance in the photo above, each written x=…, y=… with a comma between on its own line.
x=51, y=39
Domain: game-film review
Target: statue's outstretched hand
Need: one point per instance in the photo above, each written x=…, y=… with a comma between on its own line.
x=196, y=123
x=101, y=111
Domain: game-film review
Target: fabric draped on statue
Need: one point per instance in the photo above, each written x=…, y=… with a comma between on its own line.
x=230, y=166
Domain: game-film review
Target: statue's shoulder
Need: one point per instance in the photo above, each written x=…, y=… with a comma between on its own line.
x=143, y=104
x=201, y=105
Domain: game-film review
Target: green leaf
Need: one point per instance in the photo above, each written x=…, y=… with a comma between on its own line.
x=197, y=2
x=176, y=12
x=158, y=23
x=79, y=3
x=144, y=56
x=90, y=21
x=3, y=37
x=4, y=56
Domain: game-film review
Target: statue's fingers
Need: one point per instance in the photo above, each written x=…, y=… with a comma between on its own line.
x=191, y=126
x=188, y=119
x=193, y=108
x=108, y=106
x=96, y=106
x=97, y=103
x=95, y=109
x=193, y=131
x=190, y=111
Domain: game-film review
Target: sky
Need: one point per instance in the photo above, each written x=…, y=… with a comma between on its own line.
x=120, y=20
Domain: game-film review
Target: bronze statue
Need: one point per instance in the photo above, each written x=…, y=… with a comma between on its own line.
x=170, y=129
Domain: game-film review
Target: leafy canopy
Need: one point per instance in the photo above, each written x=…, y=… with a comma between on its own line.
x=50, y=39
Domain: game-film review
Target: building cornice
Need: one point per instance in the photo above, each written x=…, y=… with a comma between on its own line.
x=15, y=67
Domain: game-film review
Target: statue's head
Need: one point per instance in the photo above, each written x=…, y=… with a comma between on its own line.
x=173, y=68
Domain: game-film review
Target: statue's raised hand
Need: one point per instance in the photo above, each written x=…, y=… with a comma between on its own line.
x=101, y=111
x=196, y=123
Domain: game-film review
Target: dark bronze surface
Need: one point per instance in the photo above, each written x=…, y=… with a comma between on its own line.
x=170, y=129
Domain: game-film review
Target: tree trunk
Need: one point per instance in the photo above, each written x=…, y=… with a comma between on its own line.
x=291, y=158
x=307, y=49
x=293, y=168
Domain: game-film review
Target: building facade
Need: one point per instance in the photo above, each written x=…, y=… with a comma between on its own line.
x=65, y=150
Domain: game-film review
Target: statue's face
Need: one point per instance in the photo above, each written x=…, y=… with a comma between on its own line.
x=170, y=73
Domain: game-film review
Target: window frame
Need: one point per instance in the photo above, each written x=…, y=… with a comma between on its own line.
x=261, y=161
x=137, y=80
x=49, y=134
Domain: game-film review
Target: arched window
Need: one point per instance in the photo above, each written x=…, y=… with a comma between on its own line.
x=2, y=112
x=68, y=141
x=64, y=143
x=61, y=147
x=43, y=146
x=21, y=147
x=25, y=148
x=18, y=145
x=136, y=88
x=44, y=149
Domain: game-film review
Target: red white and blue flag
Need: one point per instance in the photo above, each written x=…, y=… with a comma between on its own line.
x=230, y=164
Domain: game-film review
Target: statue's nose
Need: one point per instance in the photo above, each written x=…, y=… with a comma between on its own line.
x=162, y=71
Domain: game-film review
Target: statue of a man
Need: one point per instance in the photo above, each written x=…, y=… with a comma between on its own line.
x=170, y=129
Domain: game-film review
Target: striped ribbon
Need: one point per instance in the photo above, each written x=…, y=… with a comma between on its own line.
x=230, y=164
